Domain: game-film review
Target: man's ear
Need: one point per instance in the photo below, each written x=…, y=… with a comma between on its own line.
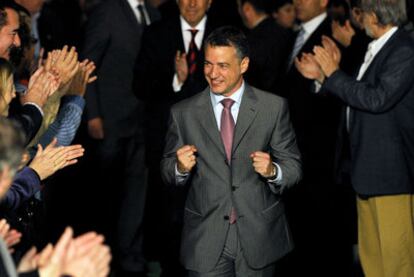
x=244, y=65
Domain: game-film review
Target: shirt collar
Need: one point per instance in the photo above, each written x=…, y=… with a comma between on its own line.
x=134, y=3
x=376, y=45
x=236, y=96
x=311, y=25
x=200, y=26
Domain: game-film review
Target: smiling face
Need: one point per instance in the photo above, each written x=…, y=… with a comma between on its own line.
x=9, y=37
x=193, y=10
x=223, y=69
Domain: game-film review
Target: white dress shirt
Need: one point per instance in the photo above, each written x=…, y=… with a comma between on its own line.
x=373, y=48
x=218, y=109
x=134, y=6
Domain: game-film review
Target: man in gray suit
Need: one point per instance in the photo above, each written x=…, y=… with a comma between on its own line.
x=234, y=146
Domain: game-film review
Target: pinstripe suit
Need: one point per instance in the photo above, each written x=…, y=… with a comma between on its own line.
x=214, y=187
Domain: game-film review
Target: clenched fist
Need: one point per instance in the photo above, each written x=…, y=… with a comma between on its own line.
x=186, y=158
x=262, y=163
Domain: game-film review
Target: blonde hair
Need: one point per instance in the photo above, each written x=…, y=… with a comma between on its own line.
x=6, y=70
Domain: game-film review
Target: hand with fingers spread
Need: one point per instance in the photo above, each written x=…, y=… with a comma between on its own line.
x=42, y=84
x=181, y=66
x=262, y=163
x=186, y=158
x=309, y=68
x=82, y=78
x=66, y=63
x=52, y=158
x=343, y=34
x=325, y=61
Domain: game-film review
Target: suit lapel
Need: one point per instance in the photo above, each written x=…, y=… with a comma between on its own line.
x=205, y=116
x=246, y=116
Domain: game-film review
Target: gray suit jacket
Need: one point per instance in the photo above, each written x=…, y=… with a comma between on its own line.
x=263, y=125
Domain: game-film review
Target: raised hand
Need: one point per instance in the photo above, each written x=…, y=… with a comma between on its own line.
x=309, y=68
x=42, y=84
x=66, y=63
x=181, y=66
x=327, y=62
x=186, y=158
x=343, y=34
x=330, y=46
x=82, y=78
x=52, y=158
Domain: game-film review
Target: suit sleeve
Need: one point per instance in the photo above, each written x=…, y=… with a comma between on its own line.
x=283, y=148
x=25, y=185
x=172, y=143
x=30, y=119
x=97, y=39
x=394, y=79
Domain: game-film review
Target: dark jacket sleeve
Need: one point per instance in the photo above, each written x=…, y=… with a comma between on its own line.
x=30, y=119
x=25, y=184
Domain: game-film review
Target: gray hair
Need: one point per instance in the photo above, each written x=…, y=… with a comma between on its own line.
x=388, y=12
x=11, y=144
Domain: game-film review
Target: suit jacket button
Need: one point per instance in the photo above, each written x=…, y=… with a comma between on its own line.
x=226, y=217
x=233, y=188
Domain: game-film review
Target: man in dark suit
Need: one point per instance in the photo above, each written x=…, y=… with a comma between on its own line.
x=379, y=126
x=316, y=134
x=269, y=45
x=115, y=119
x=233, y=145
x=169, y=68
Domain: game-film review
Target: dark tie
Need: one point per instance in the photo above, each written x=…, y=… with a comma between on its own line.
x=192, y=53
x=142, y=15
x=227, y=133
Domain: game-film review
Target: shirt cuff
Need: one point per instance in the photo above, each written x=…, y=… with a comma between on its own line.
x=279, y=176
x=37, y=106
x=176, y=84
x=180, y=178
x=317, y=87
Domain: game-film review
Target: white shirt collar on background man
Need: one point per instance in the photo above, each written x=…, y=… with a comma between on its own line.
x=134, y=6
x=373, y=48
x=313, y=24
x=218, y=107
x=185, y=30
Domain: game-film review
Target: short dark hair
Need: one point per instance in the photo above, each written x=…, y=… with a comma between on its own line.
x=388, y=12
x=261, y=6
x=229, y=36
x=10, y=4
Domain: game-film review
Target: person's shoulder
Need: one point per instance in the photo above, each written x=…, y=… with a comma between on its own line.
x=190, y=103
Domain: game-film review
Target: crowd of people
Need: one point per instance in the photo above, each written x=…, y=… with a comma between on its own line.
x=206, y=138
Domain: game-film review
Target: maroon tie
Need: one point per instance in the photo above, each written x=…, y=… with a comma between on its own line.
x=227, y=133
x=192, y=53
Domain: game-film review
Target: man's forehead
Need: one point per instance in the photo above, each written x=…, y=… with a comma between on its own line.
x=12, y=18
